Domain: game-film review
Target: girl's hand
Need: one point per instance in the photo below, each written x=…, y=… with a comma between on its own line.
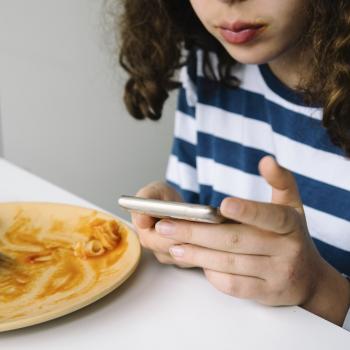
x=144, y=224
x=269, y=257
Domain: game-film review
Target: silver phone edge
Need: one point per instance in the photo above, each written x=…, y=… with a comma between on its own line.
x=181, y=211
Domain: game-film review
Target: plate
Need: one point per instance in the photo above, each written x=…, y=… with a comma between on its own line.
x=63, y=257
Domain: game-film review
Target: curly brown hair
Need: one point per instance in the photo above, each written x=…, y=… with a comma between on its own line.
x=154, y=34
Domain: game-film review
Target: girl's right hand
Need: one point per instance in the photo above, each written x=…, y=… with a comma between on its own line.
x=144, y=224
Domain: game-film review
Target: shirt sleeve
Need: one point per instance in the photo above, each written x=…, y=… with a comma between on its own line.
x=182, y=166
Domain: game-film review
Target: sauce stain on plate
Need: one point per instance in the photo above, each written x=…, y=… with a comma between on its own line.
x=64, y=257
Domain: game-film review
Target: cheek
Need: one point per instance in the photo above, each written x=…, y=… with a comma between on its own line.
x=292, y=23
x=198, y=6
x=204, y=9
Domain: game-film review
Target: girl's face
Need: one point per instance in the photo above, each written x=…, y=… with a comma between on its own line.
x=254, y=31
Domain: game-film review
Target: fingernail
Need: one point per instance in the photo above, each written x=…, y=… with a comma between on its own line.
x=233, y=208
x=177, y=251
x=165, y=227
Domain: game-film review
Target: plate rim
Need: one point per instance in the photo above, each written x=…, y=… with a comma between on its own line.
x=53, y=314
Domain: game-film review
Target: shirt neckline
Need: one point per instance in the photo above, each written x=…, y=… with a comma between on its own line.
x=281, y=89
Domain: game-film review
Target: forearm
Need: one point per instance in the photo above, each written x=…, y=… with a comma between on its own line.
x=331, y=299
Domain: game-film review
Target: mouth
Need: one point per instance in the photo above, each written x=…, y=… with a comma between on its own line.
x=241, y=32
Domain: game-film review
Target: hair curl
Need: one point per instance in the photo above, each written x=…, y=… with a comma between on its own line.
x=154, y=34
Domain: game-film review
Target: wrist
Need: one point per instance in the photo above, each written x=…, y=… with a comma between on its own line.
x=331, y=296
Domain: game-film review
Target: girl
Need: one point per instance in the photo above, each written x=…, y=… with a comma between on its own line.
x=262, y=131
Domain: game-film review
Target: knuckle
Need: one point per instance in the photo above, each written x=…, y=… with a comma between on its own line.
x=232, y=241
x=228, y=261
x=187, y=232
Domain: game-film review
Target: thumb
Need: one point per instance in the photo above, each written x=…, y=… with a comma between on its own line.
x=284, y=187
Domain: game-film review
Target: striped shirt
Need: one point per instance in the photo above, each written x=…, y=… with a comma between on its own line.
x=221, y=133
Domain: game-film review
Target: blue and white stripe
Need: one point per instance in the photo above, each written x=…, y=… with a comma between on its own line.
x=222, y=133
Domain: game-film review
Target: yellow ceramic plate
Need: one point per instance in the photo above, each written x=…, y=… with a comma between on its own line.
x=63, y=258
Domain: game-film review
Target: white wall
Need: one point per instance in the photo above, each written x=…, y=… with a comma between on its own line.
x=1, y=140
x=61, y=103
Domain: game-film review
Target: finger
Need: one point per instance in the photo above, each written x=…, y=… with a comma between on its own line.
x=155, y=190
x=151, y=240
x=267, y=216
x=243, y=287
x=238, y=264
x=234, y=238
x=152, y=190
x=142, y=222
x=159, y=190
x=167, y=259
x=284, y=187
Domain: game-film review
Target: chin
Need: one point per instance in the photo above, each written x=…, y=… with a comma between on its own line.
x=252, y=55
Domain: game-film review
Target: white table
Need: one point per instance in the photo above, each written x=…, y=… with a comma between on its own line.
x=162, y=306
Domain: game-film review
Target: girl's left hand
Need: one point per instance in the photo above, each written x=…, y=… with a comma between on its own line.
x=268, y=256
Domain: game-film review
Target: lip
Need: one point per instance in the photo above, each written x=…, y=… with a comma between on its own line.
x=241, y=32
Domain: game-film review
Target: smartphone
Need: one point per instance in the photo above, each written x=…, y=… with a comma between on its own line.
x=173, y=210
